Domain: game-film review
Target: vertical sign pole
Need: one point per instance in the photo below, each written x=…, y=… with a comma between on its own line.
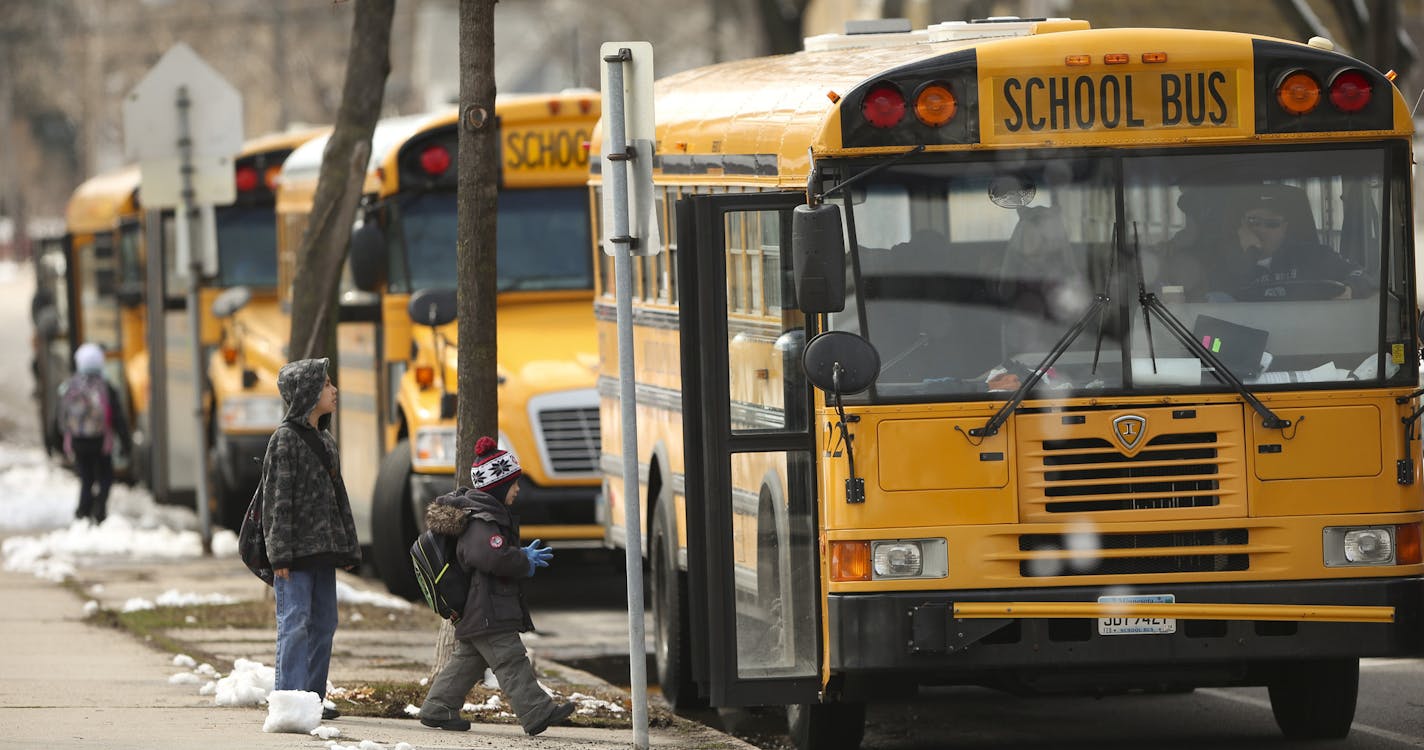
x=617, y=173
x=188, y=218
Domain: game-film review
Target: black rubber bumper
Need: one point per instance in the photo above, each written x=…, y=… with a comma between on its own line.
x=914, y=638
x=536, y=505
x=239, y=458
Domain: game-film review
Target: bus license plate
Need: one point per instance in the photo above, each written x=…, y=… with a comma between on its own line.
x=1137, y=625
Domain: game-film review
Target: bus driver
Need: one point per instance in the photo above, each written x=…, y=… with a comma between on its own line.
x=1275, y=254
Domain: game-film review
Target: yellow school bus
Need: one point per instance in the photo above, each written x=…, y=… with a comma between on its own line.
x=1022, y=354
x=243, y=327
x=118, y=258
x=102, y=263
x=397, y=375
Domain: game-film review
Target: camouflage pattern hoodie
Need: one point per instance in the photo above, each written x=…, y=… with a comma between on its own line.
x=489, y=550
x=306, y=516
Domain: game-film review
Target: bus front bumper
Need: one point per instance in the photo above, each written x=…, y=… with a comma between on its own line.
x=239, y=459
x=1221, y=632
x=561, y=516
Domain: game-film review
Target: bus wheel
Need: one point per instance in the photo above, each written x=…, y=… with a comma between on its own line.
x=231, y=506
x=826, y=726
x=1315, y=700
x=393, y=527
x=672, y=643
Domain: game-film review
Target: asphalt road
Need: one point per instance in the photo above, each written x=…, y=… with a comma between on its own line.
x=589, y=595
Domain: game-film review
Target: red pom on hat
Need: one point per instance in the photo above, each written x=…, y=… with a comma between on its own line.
x=492, y=467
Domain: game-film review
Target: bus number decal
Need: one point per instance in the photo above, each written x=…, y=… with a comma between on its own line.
x=545, y=149
x=1110, y=102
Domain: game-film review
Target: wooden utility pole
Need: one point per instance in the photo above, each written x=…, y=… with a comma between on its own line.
x=475, y=251
x=343, y=171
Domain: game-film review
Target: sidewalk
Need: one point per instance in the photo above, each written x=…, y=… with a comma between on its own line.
x=68, y=684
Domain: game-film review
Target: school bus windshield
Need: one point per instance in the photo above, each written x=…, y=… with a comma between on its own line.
x=542, y=236
x=247, y=246
x=967, y=274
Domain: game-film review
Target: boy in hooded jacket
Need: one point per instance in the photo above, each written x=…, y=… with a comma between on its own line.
x=307, y=526
x=495, y=613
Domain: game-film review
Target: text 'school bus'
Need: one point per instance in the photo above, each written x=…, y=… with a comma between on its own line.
x=398, y=375
x=1026, y=355
x=118, y=255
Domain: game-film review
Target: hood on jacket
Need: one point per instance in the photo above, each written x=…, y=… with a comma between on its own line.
x=300, y=383
x=449, y=514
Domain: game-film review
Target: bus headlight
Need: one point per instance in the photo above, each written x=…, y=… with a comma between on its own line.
x=434, y=448
x=909, y=558
x=1347, y=546
x=251, y=413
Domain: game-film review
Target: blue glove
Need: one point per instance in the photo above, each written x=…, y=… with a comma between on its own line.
x=537, y=556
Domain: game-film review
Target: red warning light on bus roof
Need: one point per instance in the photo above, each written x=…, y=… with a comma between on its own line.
x=884, y=106
x=246, y=179
x=435, y=159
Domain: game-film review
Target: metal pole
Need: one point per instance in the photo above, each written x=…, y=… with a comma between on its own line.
x=617, y=172
x=191, y=218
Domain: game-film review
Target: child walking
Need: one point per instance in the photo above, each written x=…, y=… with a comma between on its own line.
x=487, y=633
x=92, y=417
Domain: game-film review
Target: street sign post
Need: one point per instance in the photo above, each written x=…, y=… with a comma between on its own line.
x=183, y=124
x=628, y=171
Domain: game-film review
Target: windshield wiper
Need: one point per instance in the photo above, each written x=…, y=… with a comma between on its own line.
x=1100, y=303
x=1150, y=304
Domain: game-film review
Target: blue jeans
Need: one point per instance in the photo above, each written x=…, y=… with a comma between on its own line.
x=306, y=622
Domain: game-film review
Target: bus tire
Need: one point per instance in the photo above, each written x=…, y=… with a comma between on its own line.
x=672, y=641
x=1315, y=700
x=826, y=726
x=393, y=526
x=230, y=506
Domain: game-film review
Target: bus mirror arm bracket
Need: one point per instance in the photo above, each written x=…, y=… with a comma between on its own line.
x=1404, y=467
x=815, y=199
x=854, y=485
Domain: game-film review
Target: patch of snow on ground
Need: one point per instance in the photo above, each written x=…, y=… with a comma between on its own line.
x=348, y=594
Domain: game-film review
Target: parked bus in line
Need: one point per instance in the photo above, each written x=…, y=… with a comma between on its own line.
x=244, y=407
x=117, y=255
x=396, y=419
x=1027, y=355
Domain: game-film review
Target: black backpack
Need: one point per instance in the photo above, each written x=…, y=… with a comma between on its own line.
x=437, y=569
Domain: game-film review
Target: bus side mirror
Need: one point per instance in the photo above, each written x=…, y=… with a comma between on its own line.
x=130, y=295
x=432, y=307
x=230, y=301
x=368, y=256
x=840, y=362
x=818, y=257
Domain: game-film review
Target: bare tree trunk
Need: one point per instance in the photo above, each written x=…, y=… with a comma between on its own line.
x=343, y=170
x=475, y=266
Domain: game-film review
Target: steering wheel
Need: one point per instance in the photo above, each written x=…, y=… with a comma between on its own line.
x=1295, y=290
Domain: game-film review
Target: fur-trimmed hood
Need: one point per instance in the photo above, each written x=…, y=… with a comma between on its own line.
x=449, y=514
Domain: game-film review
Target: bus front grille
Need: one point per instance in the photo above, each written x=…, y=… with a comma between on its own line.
x=1087, y=554
x=570, y=440
x=1088, y=474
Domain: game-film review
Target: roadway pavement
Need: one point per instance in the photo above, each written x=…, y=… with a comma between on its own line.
x=67, y=683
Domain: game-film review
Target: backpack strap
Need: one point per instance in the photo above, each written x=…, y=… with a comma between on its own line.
x=315, y=444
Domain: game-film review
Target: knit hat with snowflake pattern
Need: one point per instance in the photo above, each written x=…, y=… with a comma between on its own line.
x=494, y=470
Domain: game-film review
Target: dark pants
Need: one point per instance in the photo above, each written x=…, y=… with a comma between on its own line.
x=96, y=475
x=502, y=652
